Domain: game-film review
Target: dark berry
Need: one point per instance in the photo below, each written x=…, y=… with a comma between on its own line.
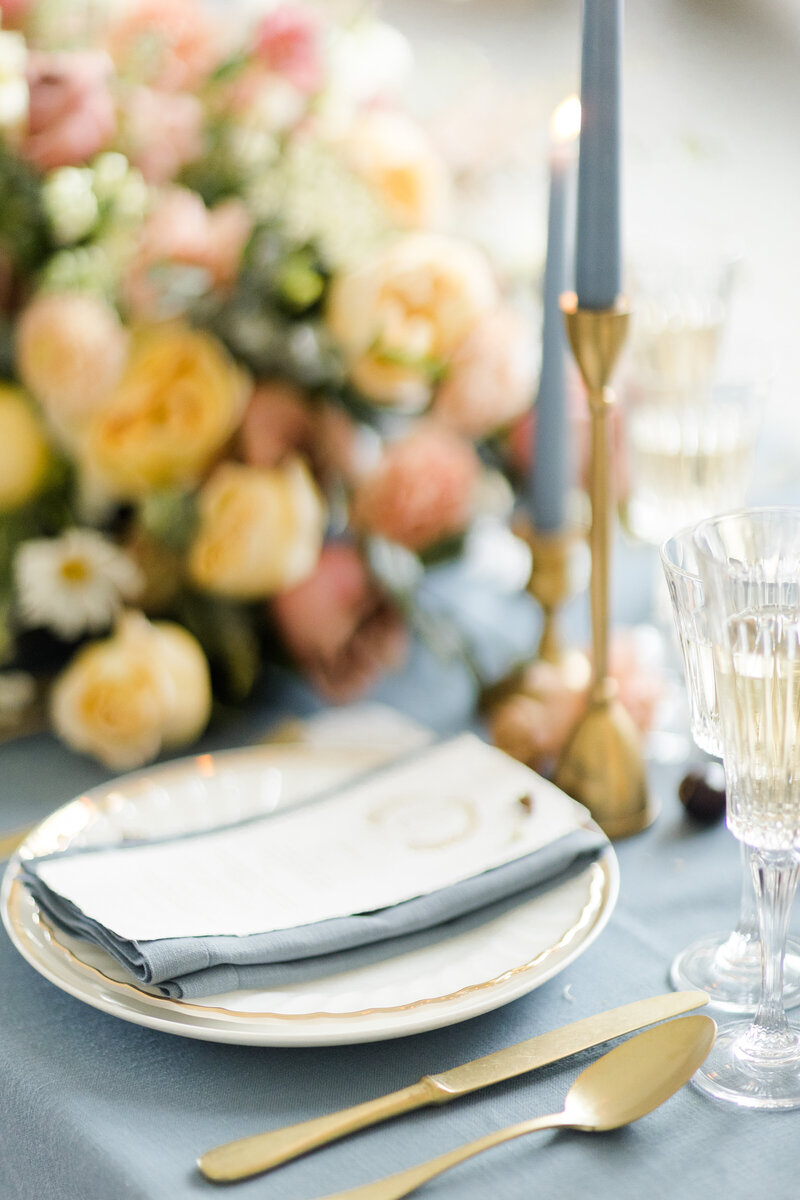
x=702, y=793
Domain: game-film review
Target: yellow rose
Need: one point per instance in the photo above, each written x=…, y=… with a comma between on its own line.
x=128, y=697
x=24, y=453
x=260, y=530
x=399, y=318
x=396, y=159
x=177, y=404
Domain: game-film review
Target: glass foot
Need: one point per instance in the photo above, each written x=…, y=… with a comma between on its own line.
x=744, y=1069
x=728, y=967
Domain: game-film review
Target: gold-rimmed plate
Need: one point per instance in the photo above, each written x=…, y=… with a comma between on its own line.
x=450, y=981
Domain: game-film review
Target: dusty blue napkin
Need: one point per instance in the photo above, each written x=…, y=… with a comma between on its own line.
x=188, y=967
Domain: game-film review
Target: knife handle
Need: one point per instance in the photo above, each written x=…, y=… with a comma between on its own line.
x=252, y=1155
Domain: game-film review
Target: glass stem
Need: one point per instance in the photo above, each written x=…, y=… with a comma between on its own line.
x=747, y=925
x=775, y=878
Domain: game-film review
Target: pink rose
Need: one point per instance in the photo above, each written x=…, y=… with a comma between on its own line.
x=14, y=12
x=421, y=492
x=288, y=42
x=490, y=380
x=278, y=421
x=340, y=627
x=163, y=132
x=636, y=667
x=181, y=231
x=71, y=113
x=534, y=722
x=173, y=45
x=70, y=350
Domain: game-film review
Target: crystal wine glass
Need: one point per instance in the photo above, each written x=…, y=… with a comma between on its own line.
x=726, y=965
x=749, y=564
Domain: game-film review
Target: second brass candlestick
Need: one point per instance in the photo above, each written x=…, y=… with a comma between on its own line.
x=601, y=764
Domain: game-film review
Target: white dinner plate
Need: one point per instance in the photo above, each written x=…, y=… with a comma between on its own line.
x=457, y=978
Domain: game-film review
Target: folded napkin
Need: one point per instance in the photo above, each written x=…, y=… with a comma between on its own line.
x=379, y=867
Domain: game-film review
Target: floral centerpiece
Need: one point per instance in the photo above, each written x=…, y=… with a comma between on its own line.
x=245, y=365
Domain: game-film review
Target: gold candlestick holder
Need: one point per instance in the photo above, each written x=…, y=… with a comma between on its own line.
x=601, y=764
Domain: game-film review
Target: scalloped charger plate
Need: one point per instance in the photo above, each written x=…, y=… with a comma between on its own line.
x=457, y=978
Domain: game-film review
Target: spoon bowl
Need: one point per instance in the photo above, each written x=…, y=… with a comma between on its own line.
x=620, y=1087
x=638, y=1075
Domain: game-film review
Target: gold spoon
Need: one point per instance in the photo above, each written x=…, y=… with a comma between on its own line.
x=625, y=1084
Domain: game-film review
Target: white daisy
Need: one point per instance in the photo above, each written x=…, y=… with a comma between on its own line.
x=73, y=584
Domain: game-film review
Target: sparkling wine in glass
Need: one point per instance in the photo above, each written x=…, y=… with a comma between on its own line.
x=749, y=565
x=726, y=965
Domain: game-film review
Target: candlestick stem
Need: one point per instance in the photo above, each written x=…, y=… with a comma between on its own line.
x=601, y=765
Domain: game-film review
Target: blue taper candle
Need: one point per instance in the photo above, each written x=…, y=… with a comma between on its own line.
x=550, y=475
x=597, y=244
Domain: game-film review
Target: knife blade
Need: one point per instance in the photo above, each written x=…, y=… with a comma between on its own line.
x=263, y=1151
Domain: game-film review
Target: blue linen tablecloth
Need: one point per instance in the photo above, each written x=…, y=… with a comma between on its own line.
x=93, y=1108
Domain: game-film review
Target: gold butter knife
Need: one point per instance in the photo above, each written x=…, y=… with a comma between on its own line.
x=252, y=1155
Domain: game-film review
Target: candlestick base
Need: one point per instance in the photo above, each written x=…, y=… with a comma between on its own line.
x=601, y=766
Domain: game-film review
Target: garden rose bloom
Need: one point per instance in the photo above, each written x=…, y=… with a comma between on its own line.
x=288, y=42
x=176, y=405
x=163, y=131
x=533, y=723
x=71, y=112
x=400, y=318
x=127, y=697
x=278, y=421
x=182, y=231
x=14, y=12
x=24, y=453
x=490, y=381
x=421, y=492
x=393, y=155
x=260, y=530
x=70, y=353
x=173, y=45
x=340, y=626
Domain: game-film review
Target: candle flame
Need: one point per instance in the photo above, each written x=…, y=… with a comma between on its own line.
x=565, y=124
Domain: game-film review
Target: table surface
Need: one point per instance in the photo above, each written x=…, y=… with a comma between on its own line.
x=93, y=1108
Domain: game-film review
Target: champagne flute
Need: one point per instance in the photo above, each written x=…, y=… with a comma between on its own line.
x=726, y=965
x=749, y=565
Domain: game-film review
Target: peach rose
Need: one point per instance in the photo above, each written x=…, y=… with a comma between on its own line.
x=340, y=626
x=278, y=421
x=163, y=131
x=182, y=231
x=172, y=45
x=398, y=162
x=288, y=42
x=260, y=530
x=421, y=492
x=128, y=697
x=399, y=319
x=70, y=353
x=490, y=381
x=533, y=723
x=178, y=402
x=24, y=452
x=71, y=112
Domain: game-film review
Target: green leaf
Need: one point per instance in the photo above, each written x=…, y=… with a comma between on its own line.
x=170, y=516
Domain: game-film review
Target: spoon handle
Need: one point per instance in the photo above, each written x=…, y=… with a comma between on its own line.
x=392, y=1187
